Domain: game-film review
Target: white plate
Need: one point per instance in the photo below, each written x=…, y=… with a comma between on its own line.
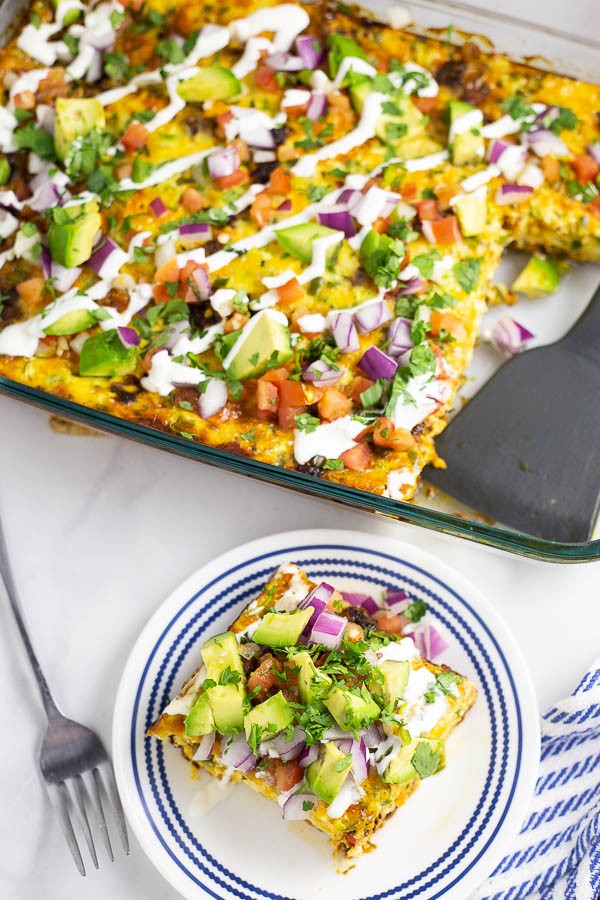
x=442, y=843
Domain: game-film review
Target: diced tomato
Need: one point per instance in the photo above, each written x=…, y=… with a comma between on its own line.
x=264, y=677
x=276, y=376
x=409, y=192
x=267, y=396
x=135, y=136
x=237, y=177
x=287, y=416
x=390, y=622
x=385, y=435
x=427, y=210
x=30, y=292
x=426, y=105
x=381, y=225
x=291, y=393
x=312, y=394
x=594, y=206
x=445, y=193
x=262, y=210
x=287, y=775
x=333, y=604
x=445, y=321
x=235, y=322
x=52, y=86
x=189, y=269
x=24, y=100
x=586, y=168
x=551, y=169
x=358, y=385
x=133, y=4
x=123, y=171
x=446, y=231
x=290, y=291
x=169, y=271
x=334, y=405
x=192, y=200
x=264, y=76
x=222, y=121
x=357, y=458
x=279, y=182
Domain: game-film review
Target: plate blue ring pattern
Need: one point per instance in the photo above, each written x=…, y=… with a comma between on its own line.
x=392, y=580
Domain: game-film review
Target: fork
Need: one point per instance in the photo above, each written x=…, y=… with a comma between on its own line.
x=75, y=766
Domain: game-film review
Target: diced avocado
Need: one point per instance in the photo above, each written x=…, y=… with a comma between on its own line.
x=106, y=355
x=339, y=48
x=200, y=719
x=298, y=239
x=407, y=123
x=416, y=147
x=75, y=118
x=471, y=210
x=4, y=170
x=352, y=711
x=310, y=679
x=327, y=774
x=407, y=764
x=265, y=341
x=220, y=653
x=70, y=16
x=282, y=629
x=227, y=705
x=270, y=717
x=539, y=277
x=72, y=232
x=389, y=681
x=468, y=146
x=359, y=91
x=210, y=83
x=72, y=322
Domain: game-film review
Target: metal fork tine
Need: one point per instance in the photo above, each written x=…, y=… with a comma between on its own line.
x=60, y=800
x=113, y=795
x=98, y=787
x=81, y=795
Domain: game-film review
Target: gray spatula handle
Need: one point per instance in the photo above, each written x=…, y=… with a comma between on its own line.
x=585, y=333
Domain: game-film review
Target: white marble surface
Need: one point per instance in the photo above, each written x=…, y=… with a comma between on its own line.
x=100, y=531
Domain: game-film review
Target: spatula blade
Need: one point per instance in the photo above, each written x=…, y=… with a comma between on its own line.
x=526, y=449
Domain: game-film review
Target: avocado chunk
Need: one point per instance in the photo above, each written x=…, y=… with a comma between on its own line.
x=327, y=774
x=72, y=232
x=282, y=629
x=468, y=145
x=539, y=277
x=264, y=342
x=339, y=48
x=210, y=83
x=269, y=717
x=423, y=757
x=223, y=663
x=471, y=210
x=352, y=711
x=75, y=118
x=106, y=355
x=298, y=239
x=389, y=681
x=220, y=653
x=227, y=706
x=72, y=322
x=312, y=684
x=406, y=123
x=200, y=719
x=381, y=256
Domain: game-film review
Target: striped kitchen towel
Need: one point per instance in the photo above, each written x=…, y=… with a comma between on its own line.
x=557, y=853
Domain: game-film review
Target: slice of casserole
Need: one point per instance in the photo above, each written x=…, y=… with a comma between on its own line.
x=319, y=705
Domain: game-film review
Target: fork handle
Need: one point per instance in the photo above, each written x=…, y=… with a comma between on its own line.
x=6, y=574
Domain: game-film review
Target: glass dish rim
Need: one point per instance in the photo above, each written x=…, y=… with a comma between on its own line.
x=488, y=535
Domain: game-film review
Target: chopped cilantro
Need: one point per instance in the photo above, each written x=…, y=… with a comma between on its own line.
x=445, y=680
x=36, y=139
x=228, y=676
x=425, y=262
x=422, y=360
x=116, y=66
x=316, y=192
x=307, y=805
x=335, y=464
x=425, y=759
x=306, y=422
x=342, y=764
x=249, y=435
x=85, y=153
x=415, y=610
x=171, y=51
x=372, y=395
x=467, y=273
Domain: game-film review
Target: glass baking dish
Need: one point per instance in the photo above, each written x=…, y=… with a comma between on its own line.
x=554, y=51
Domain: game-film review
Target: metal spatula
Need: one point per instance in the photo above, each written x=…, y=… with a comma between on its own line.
x=526, y=449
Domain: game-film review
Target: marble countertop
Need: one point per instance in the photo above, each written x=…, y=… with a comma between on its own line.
x=101, y=530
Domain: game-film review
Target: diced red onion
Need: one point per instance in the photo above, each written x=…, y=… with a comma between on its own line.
x=293, y=808
x=365, y=600
x=308, y=756
x=317, y=106
x=496, y=149
x=344, y=332
x=99, y=257
x=46, y=116
x=288, y=750
x=285, y=62
x=238, y=754
x=328, y=630
x=437, y=644
x=547, y=115
x=322, y=374
x=398, y=335
x=158, y=207
x=509, y=336
x=46, y=195
x=377, y=364
x=285, y=206
x=513, y=193
x=345, y=744
x=370, y=316
x=194, y=234
x=427, y=640
x=594, y=151
x=310, y=50
x=46, y=262
x=351, y=197
x=335, y=733
x=397, y=601
x=205, y=747
x=174, y=332
x=412, y=286
x=318, y=598
x=129, y=336
x=165, y=252
x=543, y=141
x=339, y=218
x=372, y=736
x=202, y=282
x=358, y=751
x=259, y=137
x=213, y=399
x=63, y=278
x=223, y=162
